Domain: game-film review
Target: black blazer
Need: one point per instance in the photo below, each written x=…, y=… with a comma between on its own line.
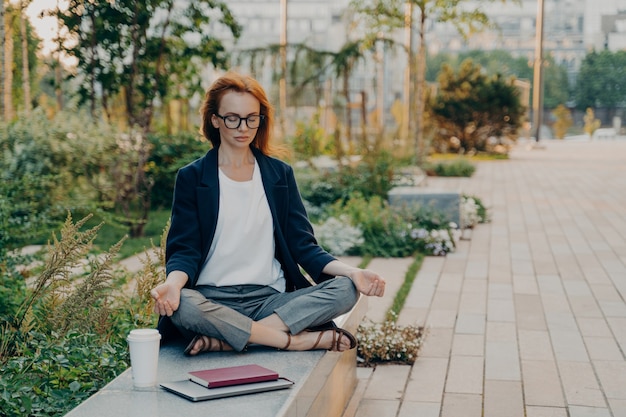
x=194, y=219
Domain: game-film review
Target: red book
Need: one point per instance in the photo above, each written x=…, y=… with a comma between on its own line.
x=232, y=375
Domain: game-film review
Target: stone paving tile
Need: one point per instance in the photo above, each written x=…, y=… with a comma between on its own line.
x=438, y=343
x=378, y=408
x=473, y=301
x=542, y=385
x=500, y=310
x=605, y=292
x=568, y=346
x=603, y=349
x=586, y=306
x=503, y=398
x=535, y=345
x=441, y=319
x=388, y=382
x=445, y=300
x=618, y=327
x=452, y=283
x=470, y=323
x=502, y=361
x=593, y=327
x=612, y=376
x=465, y=375
x=468, y=345
x=466, y=405
x=578, y=411
x=421, y=409
x=580, y=385
x=525, y=284
x=618, y=407
x=427, y=380
x=532, y=411
x=529, y=312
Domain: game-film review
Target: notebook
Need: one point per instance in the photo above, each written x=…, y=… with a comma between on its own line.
x=195, y=392
x=232, y=375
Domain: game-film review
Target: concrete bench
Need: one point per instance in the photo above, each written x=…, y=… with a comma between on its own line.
x=444, y=201
x=324, y=383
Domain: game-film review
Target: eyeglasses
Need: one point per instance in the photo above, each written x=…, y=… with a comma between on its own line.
x=233, y=121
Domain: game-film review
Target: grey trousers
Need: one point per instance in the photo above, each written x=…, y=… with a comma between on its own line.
x=227, y=313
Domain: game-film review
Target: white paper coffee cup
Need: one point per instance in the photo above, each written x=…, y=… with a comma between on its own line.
x=144, y=356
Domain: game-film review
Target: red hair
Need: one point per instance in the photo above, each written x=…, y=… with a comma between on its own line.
x=233, y=81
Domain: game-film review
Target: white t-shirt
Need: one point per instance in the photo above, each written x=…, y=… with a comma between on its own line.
x=243, y=248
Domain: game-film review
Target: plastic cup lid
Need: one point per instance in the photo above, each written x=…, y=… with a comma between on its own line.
x=144, y=334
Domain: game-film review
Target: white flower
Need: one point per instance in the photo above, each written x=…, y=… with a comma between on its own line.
x=338, y=236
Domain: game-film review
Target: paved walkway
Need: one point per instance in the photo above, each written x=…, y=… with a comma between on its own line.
x=528, y=317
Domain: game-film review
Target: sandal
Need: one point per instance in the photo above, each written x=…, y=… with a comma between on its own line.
x=338, y=332
x=288, y=342
x=206, y=346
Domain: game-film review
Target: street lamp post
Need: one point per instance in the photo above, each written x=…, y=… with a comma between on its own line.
x=538, y=73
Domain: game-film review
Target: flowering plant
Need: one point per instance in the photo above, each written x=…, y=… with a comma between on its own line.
x=438, y=242
x=472, y=212
x=388, y=342
x=338, y=236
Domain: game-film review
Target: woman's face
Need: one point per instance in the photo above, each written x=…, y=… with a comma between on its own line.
x=237, y=112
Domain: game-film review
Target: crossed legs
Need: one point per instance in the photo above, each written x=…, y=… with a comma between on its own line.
x=246, y=315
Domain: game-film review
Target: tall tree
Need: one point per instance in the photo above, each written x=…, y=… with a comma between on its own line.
x=143, y=51
x=472, y=106
x=387, y=16
x=8, y=64
x=25, y=61
x=601, y=80
x=2, y=56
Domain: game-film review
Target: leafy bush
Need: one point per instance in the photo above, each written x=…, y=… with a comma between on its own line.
x=54, y=373
x=66, y=339
x=389, y=231
x=456, y=168
x=168, y=154
x=372, y=177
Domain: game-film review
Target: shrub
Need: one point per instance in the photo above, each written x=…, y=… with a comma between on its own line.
x=168, y=154
x=54, y=373
x=393, y=232
x=67, y=337
x=374, y=176
x=456, y=168
x=563, y=121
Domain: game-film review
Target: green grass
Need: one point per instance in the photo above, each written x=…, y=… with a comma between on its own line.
x=403, y=292
x=110, y=234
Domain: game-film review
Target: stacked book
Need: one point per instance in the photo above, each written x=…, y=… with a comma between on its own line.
x=215, y=383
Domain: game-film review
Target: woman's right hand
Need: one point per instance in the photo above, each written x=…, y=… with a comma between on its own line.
x=167, y=295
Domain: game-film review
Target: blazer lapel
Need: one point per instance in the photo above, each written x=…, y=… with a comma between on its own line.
x=207, y=195
x=275, y=188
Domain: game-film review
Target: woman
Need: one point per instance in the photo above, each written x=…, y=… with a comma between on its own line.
x=239, y=235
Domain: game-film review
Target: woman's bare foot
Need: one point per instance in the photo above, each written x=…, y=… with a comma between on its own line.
x=335, y=340
x=201, y=343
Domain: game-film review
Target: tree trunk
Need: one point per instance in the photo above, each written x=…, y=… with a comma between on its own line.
x=407, y=129
x=25, y=71
x=420, y=93
x=58, y=74
x=8, y=70
x=2, y=57
x=346, y=95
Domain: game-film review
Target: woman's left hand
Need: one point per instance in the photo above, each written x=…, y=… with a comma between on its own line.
x=368, y=282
